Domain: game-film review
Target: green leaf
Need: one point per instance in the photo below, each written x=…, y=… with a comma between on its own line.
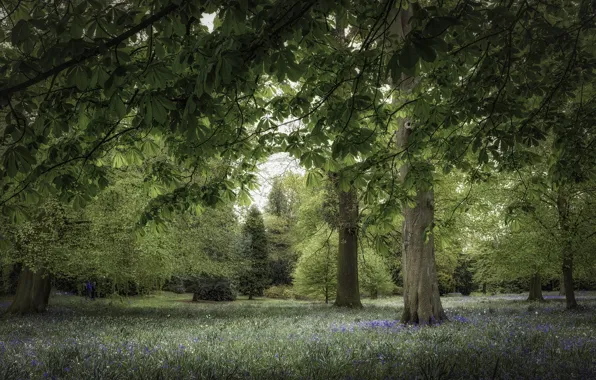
x=119, y=160
x=408, y=56
x=20, y=32
x=437, y=25
x=118, y=106
x=244, y=198
x=344, y=184
x=150, y=148
x=427, y=53
x=134, y=157
x=313, y=178
x=394, y=68
x=80, y=77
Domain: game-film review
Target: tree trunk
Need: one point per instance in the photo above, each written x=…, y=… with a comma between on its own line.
x=422, y=302
x=374, y=295
x=567, y=268
x=33, y=292
x=348, y=291
x=562, y=285
x=250, y=296
x=535, y=288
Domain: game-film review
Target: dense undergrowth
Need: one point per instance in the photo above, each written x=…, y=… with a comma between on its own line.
x=164, y=337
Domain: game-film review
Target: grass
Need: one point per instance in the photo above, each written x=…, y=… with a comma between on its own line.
x=162, y=336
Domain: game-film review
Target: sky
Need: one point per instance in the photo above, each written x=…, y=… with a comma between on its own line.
x=276, y=165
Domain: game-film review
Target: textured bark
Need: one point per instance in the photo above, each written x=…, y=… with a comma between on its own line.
x=422, y=302
x=33, y=292
x=348, y=291
x=567, y=268
x=535, y=293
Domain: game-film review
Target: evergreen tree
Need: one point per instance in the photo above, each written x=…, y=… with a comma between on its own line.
x=255, y=278
x=277, y=201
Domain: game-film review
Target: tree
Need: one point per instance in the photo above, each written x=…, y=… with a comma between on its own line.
x=348, y=290
x=81, y=79
x=39, y=246
x=316, y=272
x=277, y=201
x=422, y=303
x=374, y=276
x=280, y=223
x=253, y=279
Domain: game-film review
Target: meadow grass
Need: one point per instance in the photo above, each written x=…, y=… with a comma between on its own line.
x=163, y=337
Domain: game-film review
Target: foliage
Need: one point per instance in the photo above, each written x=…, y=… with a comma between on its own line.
x=282, y=292
x=463, y=276
x=212, y=288
x=254, y=278
x=373, y=276
x=277, y=200
x=316, y=272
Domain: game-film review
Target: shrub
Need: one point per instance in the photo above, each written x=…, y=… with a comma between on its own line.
x=282, y=292
x=212, y=289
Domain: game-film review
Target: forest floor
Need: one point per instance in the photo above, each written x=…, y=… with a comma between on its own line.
x=162, y=336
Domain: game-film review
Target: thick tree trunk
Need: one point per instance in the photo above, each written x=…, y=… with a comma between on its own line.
x=535, y=293
x=33, y=292
x=567, y=267
x=422, y=302
x=348, y=291
x=570, y=301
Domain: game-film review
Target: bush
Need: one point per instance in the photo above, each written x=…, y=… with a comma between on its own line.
x=282, y=292
x=177, y=285
x=212, y=289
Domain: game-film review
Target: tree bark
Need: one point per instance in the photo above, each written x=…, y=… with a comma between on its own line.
x=33, y=292
x=567, y=267
x=535, y=293
x=562, y=285
x=422, y=302
x=348, y=291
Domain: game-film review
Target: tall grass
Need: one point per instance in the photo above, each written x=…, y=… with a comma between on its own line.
x=163, y=337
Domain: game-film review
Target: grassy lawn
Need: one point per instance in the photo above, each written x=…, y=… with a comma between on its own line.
x=163, y=336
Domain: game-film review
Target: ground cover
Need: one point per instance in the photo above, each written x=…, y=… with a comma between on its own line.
x=162, y=336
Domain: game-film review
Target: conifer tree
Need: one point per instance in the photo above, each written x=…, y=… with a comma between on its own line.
x=255, y=278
